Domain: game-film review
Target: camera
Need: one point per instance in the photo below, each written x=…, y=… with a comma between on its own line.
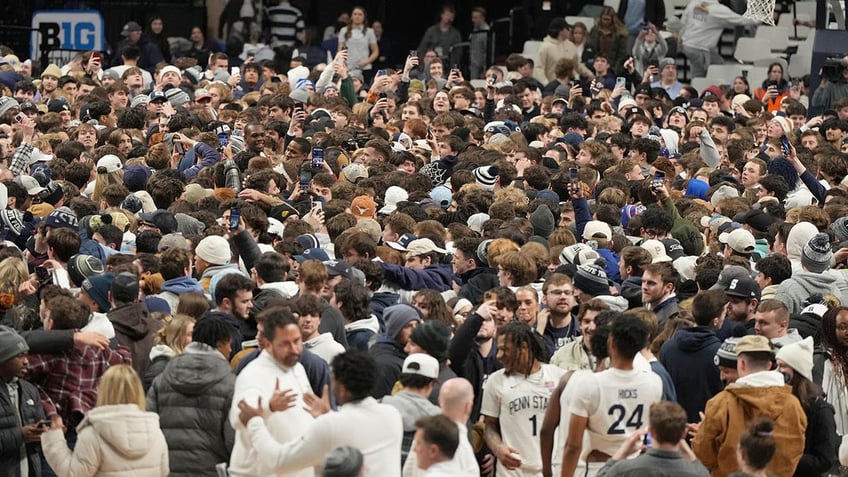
x=832, y=69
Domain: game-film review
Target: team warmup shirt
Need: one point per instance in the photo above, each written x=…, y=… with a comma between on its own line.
x=519, y=402
x=616, y=402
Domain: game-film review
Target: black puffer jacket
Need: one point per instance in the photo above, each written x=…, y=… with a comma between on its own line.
x=11, y=436
x=193, y=397
x=820, y=440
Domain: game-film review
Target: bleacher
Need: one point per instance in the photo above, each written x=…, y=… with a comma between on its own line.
x=789, y=43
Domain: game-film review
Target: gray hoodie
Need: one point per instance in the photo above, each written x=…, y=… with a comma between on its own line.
x=795, y=290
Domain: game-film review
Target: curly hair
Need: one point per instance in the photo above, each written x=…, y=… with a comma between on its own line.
x=356, y=371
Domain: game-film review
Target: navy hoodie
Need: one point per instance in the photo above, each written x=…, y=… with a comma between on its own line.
x=689, y=358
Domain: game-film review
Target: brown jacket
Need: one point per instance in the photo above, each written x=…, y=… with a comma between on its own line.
x=730, y=411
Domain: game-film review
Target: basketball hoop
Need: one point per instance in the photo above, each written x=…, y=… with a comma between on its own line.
x=761, y=10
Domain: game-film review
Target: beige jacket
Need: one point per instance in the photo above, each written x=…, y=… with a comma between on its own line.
x=553, y=50
x=112, y=441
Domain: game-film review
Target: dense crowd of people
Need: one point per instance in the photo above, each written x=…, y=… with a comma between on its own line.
x=584, y=267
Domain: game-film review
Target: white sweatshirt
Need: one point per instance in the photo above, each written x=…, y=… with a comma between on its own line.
x=702, y=29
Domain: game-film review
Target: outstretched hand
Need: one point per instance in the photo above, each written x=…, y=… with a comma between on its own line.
x=318, y=405
x=282, y=400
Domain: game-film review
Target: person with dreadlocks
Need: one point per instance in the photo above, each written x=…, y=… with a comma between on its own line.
x=515, y=399
x=830, y=367
x=612, y=404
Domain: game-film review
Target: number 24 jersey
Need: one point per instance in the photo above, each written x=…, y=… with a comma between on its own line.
x=617, y=402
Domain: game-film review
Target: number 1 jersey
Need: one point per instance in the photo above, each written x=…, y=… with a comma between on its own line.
x=519, y=402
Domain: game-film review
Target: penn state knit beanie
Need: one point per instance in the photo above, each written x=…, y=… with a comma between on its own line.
x=591, y=279
x=817, y=254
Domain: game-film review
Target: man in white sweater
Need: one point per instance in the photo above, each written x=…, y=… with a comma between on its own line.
x=275, y=383
x=361, y=422
x=456, y=399
x=703, y=22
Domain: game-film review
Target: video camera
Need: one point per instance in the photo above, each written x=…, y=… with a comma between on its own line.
x=833, y=68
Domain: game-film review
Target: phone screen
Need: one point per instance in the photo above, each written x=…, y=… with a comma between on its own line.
x=223, y=140
x=381, y=73
x=235, y=214
x=305, y=180
x=784, y=142
x=317, y=158
x=574, y=174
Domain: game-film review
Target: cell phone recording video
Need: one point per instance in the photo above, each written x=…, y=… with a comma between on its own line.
x=235, y=215
x=317, y=158
x=574, y=175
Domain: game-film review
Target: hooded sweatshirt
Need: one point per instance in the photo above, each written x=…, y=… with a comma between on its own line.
x=729, y=412
x=800, y=234
x=199, y=434
x=360, y=332
x=412, y=406
x=136, y=330
x=702, y=29
x=688, y=357
x=795, y=290
x=112, y=441
x=173, y=288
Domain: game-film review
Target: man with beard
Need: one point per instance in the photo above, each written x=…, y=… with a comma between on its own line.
x=275, y=383
x=743, y=297
x=234, y=299
x=562, y=326
x=659, y=283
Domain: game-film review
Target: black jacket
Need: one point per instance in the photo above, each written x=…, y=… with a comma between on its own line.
x=11, y=436
x=135, y=329
x=389, y=356
x=193, y=398
x=157, y=365
x=689, y=358
x=466, y=361
x=820, y=440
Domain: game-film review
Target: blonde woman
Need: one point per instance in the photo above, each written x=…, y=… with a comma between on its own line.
x=171, y=340
x=110, y=170
x=117, y=437
x=15, y=285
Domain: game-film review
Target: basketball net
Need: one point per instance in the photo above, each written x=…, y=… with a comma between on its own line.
x=762, y=10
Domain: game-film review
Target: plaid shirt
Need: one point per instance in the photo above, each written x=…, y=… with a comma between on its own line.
x=68, y=381
x=20, y=159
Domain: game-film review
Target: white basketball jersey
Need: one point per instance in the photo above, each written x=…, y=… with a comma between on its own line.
x=616, y=402
x=519, y=403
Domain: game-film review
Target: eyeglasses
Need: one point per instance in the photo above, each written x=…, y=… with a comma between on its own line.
x=560, y=292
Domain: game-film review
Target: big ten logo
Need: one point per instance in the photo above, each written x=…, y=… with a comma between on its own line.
x=67, y=35
x=74, y=30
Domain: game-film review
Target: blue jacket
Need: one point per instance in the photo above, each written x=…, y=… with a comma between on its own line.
x=181, y=285
x=689, y=359
x=208, y=157
x=612, y=260
x=437, y=277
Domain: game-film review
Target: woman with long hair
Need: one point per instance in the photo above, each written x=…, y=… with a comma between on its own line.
x=432, y=307
x=795, y=361
x=117, y=437
x=110, y=170
x=609, y=38
x=360, y=40
x=830, y=369
x=774, y=88
x=171, y=340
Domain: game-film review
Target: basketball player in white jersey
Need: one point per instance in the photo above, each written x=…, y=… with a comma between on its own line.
x=558, y=414
x=515, y=399
x=610, y=405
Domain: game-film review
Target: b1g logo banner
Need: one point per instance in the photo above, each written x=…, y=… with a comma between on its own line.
x=66, y=29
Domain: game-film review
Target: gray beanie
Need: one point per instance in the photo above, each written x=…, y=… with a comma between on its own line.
x=11, y=344
x=543, y=221
x=397, y=317
x=817, y=254
x=726, y=354
x=343, y=461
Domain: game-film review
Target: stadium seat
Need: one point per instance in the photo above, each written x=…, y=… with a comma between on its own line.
x=725, y=72
x=800, y=65
x=702, y=83
x=750, y=49
x=777, y=36
x=786, y=20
